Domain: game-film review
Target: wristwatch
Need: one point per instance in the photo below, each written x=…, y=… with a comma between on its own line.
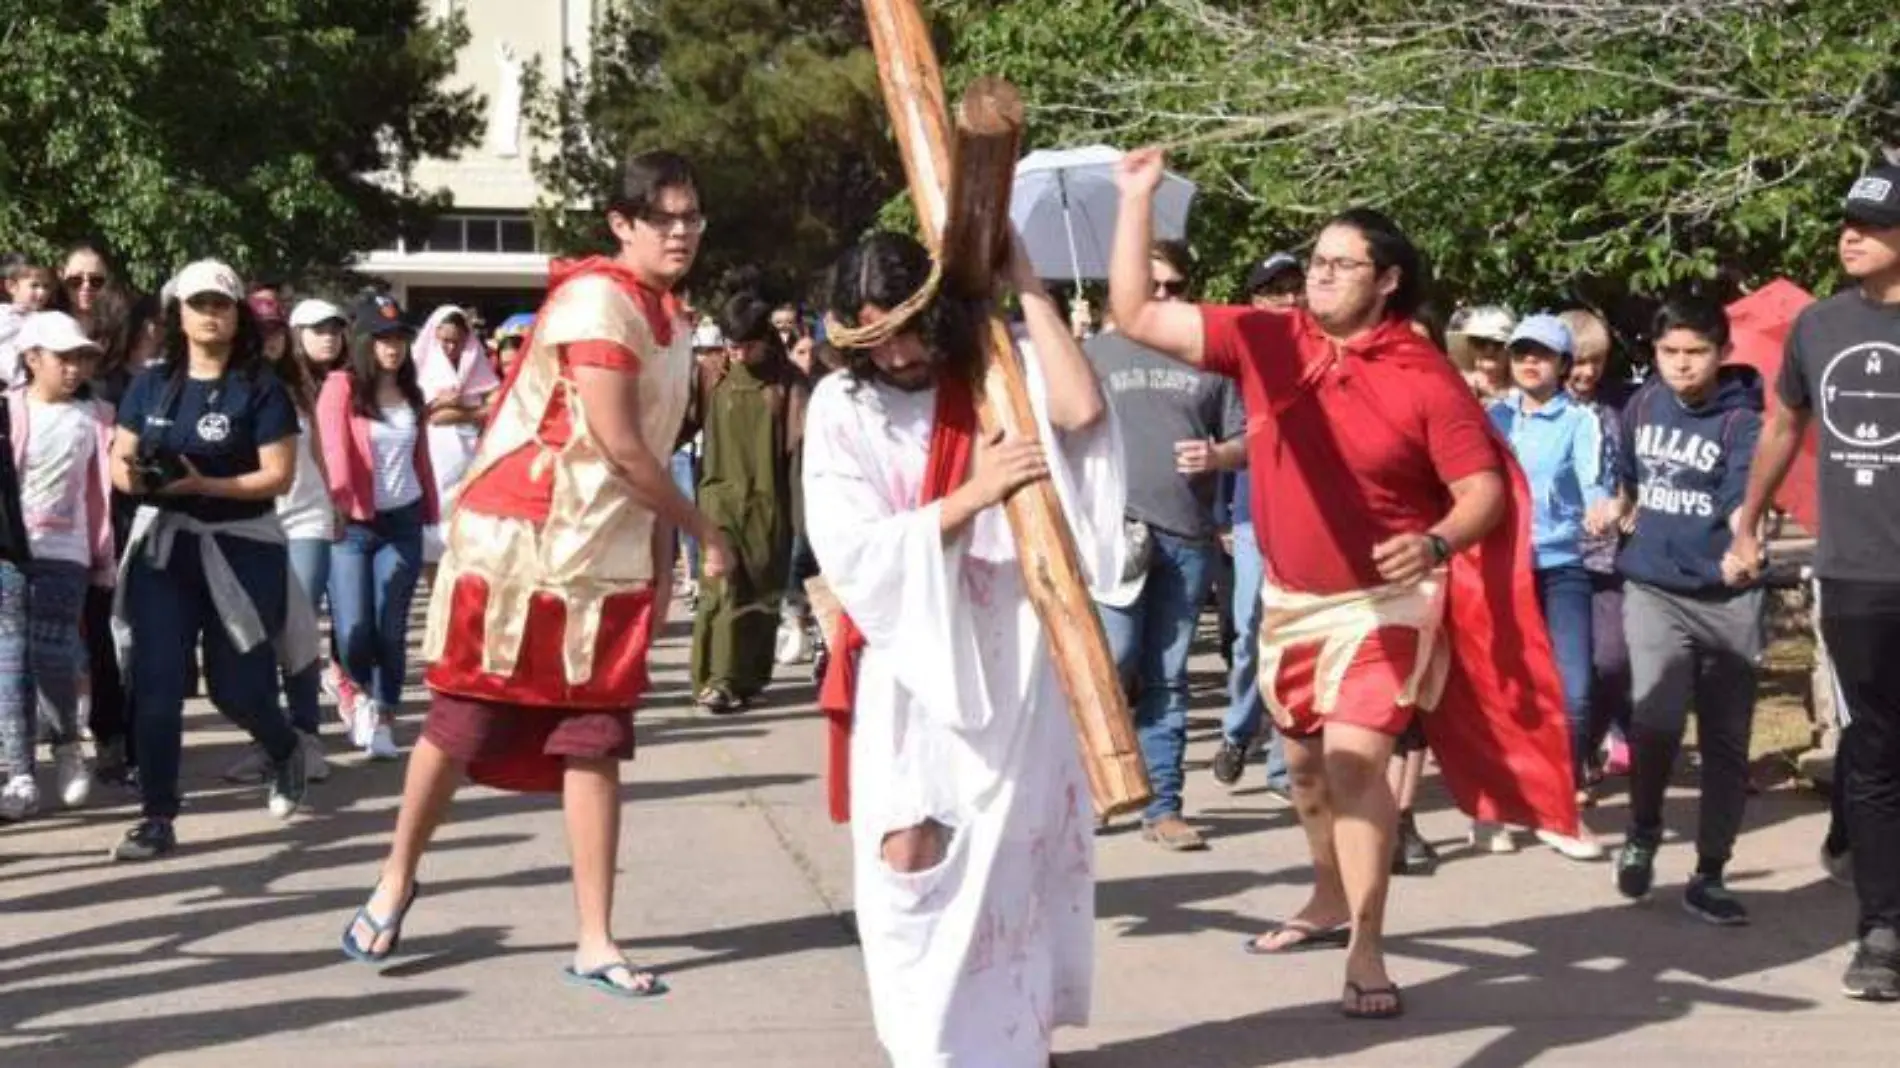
x=1441, y=549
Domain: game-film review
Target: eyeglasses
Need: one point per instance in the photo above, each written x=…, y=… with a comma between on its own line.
x=1335, y=265
x=1171, y=289
x=690, y=222
x=85, y=281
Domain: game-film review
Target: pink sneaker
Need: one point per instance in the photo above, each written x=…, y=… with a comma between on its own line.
x=348, y=697
x=1618, y=762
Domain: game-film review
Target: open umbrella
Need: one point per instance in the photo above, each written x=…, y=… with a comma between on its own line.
x=1064, y=203
x=1758, y=328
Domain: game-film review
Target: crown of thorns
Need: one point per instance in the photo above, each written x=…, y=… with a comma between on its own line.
x=874, y=334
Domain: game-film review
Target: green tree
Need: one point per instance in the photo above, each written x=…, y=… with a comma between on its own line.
x=1539, y=150
x=277, y=134
x=774, y=101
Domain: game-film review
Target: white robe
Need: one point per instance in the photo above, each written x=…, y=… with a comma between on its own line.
x=961, y=719
x=451, y=448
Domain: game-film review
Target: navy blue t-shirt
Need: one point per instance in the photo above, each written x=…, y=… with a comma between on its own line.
x=217, y=425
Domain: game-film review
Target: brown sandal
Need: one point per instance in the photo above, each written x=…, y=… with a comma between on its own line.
x=1361, y=993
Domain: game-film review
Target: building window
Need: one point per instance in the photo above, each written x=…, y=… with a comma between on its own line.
x=480, y=234
x=517, y=235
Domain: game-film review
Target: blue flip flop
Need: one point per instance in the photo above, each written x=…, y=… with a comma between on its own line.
x=391, y=926
x=601, y=979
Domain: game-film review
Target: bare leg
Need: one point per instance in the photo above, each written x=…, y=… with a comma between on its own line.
x=428, y=787
x=590, y=797
x=1364, y=826
x=1312, y=798
x=1410, y=769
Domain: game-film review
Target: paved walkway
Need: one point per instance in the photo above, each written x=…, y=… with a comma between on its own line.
x=736, y=885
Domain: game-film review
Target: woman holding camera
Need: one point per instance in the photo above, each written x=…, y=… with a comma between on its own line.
x=376, y=456
x=208, y=440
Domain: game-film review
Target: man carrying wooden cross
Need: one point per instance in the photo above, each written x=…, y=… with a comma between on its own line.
x=971, y=829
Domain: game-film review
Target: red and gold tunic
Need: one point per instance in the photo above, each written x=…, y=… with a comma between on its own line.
x=544, y=599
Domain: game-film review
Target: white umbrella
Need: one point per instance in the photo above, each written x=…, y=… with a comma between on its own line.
x=1064, y=203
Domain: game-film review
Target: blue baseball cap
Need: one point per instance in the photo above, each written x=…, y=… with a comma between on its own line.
x=1547, y=331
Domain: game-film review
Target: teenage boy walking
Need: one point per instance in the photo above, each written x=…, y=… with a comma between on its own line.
x=1692, y=613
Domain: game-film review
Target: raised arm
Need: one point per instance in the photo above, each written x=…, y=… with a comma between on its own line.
x=1075, y=397
x=1172, y=328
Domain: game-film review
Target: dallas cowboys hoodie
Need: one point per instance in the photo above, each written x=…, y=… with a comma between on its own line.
x=1689, y=469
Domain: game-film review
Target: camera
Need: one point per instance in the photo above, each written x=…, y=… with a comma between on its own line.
x=158, y=469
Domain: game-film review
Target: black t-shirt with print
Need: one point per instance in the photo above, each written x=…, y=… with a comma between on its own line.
x=1843, y=364
x=218, y=425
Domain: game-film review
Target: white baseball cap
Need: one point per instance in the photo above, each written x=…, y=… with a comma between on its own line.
x=54, y=332
x=315, y=313
x=207, y=276
x=1489, y=323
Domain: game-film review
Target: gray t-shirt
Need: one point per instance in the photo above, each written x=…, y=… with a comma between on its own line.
x=1843, y=363
x=1158, y=402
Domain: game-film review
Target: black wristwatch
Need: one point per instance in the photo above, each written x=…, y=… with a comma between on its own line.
x=1441, y=549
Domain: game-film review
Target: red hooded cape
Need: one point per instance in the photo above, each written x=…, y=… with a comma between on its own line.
x=952, y=435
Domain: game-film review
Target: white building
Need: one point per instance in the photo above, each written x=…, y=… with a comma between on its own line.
x=482, y=253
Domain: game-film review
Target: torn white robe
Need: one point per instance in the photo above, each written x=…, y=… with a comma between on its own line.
x=960, y=719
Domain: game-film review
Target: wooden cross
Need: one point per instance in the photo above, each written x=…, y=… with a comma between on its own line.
x=960, y=186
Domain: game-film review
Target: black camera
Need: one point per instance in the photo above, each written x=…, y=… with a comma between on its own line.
x=157, y=469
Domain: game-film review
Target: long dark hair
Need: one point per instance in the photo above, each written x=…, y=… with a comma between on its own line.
x=364, y=372
x=746, y=319
x=885, y=270
x=295, y=375
x=119, y=317
x=247, y=345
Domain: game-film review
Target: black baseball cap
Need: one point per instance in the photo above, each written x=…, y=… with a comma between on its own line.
x=378, y=315
x=1270, y=268
x=1875, y=199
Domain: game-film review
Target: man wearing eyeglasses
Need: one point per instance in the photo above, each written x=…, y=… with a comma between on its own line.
x=1381, y=469
x=1179, y=429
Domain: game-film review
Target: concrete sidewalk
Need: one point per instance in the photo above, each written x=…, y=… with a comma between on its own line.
x=736, y=886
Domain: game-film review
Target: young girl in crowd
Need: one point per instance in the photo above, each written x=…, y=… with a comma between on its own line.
x=370, y=420
x=319, y=340
x=29, y=289
x=207, y=439
x=60, y=443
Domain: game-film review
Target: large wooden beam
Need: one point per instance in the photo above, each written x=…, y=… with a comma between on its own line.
x=960, y=186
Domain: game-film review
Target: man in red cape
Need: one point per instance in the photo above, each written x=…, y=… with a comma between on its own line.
x=1396, y=534
x=557, y=564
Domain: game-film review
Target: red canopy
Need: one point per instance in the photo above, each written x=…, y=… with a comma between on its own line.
x=1759, y=324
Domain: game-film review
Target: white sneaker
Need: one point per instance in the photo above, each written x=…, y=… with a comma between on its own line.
x=363, y=722
x=1492, y=837
x=253, y=766
x=315, y=767
x=72, y=776
x=382, y=744
x=20, y=798
x=1583, y=847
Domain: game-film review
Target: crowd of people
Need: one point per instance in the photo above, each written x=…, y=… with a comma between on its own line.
x=192, y=477
x=1516, y=556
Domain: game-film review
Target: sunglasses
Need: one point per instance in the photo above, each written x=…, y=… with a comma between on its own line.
x=87, y=281
x=1174, y=288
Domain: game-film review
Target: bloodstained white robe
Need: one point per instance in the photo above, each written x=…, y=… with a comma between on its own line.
x=960, y=718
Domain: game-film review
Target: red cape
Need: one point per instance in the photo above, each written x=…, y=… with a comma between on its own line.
x=1500, y=731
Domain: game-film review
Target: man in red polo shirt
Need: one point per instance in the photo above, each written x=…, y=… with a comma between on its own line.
x=1372, y=466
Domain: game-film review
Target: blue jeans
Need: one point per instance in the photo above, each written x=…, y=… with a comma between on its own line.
x=1564, y=594
x=310, y=566
x=373, y=573
x=688, y=482
x=1245, y=714
x=169, y=608
x=1149, y=640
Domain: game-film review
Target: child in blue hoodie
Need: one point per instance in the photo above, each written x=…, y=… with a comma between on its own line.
x=1559, y=443
x=1693, y=617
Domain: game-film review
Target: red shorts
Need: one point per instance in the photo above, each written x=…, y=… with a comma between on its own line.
x=522, y=747
x=1368, y=692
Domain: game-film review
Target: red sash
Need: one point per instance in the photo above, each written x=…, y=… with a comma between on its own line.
x=952, y=436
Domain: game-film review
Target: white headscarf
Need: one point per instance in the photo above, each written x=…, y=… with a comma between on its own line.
x=470, y=377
